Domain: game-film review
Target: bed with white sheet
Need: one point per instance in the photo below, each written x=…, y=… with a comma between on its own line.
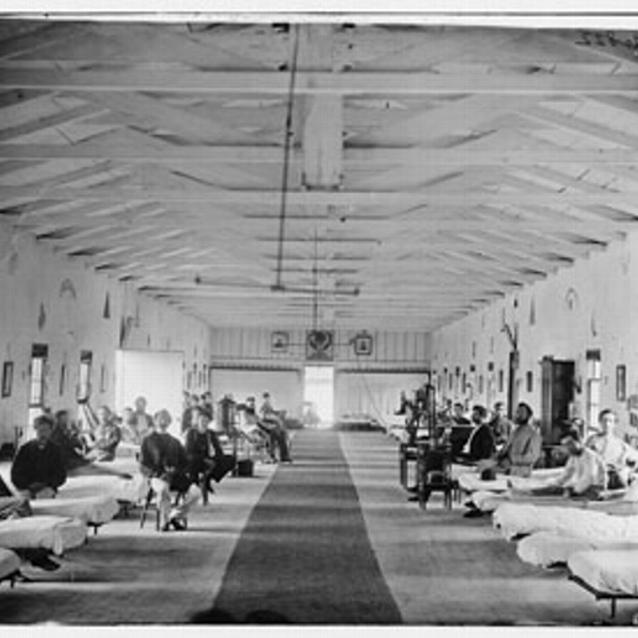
x=55, y=533
x=546, y=549
x=9, y=564
x=607, y=573
x=601, y=520
x=472, y=482
x=93, y=510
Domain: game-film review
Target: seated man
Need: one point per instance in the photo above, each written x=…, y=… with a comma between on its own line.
x=619, y=457
x=501, y=426
x=584, y=474
x=103, y=440
x=38, y=468
x=205, y=454
x=66, y=435
x=163, y=460
x=271, y=423
x=480, y=444
x=459, y=415
x=136, y=423
x=523, y=448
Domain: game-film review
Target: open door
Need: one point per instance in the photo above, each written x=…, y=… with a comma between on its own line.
x=157, y=376
x=557, y=393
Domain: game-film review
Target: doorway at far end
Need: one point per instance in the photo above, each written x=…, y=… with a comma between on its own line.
x=318, y=394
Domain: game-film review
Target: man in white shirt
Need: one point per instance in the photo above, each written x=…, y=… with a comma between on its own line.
x=584, y=475
x=620, y=458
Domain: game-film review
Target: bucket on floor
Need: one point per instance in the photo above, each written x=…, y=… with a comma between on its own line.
x=245, y=467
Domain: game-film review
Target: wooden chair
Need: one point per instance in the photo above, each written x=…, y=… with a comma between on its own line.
x=150, y=504
x=434, y=473
x=407, y=455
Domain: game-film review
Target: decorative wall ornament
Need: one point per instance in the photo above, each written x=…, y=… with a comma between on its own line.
x=320, y=345
x=103, y=378
x=592, y=325
x=42, y=317
x=12, y=265
x=363, y=344
x=532, y=312
x=62, y=385
x=571, y=299
x=67, y=289
x=279, y=342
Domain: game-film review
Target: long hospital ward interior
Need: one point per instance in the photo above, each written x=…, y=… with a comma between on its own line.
x=318, y=320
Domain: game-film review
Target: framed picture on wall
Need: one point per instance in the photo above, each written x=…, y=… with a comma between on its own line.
x=621, y=383
x=7, y=378
x=363, y=344
x=279, y=342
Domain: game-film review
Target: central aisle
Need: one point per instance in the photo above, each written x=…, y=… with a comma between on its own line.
x=304, y=555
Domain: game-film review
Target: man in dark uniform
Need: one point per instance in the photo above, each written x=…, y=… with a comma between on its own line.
x=206, y=458
x=271, y=423
x=39, y=466
x=163, y=460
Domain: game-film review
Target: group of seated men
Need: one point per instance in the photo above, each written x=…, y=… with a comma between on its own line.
x=599, y=464
x=41, y=465
x=270, y=424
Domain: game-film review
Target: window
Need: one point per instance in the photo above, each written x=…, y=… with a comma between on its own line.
x=84, y=386
x=529, y=381
x=594, y=382
x=621, y=383
x=7, y=378
x=501, y=380
x=39, y=354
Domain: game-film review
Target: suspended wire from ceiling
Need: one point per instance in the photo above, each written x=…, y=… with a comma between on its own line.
x=286, y=167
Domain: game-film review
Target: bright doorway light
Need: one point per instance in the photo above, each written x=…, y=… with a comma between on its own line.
x=318, y=409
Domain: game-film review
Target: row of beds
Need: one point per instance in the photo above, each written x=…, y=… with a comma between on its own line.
x=84, y=503
x=596, y=542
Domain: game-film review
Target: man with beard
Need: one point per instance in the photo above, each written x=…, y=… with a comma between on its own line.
x=523, y=448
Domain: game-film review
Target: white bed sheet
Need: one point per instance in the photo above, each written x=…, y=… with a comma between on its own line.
x=547, y=548
x=472, y=482
x=95, y=510
x=55, y=533
x=607, y=570
x=9, y=562
x=513, y=519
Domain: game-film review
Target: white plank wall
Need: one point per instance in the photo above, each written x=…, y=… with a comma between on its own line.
x=233, y=345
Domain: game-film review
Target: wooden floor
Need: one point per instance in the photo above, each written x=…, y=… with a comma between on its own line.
x=446, y=569
x=440, y=567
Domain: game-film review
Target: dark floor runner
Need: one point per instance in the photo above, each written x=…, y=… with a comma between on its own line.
x=304, y=555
